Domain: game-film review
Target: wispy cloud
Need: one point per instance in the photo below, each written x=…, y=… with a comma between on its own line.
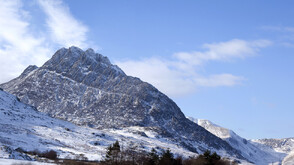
x=22, y=45
x=19, y=46
x=219, y=80
x=284, y=35
x=178, y=75
x=279, y=28
x=64, y=28
x=223, y=51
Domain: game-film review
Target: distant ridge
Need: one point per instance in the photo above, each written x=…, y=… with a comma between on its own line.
x=261, y=151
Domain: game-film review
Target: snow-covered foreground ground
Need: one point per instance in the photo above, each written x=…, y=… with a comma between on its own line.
x=21, y=162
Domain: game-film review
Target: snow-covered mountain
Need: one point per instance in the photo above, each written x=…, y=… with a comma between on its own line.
x=261, y=151
x=285, y=145
x=83, y=87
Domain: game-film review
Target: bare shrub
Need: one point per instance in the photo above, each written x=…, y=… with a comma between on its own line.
x=50, y=155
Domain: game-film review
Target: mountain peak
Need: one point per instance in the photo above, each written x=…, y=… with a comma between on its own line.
x=90, y=51
x=29, y=69
x=73, y=54
x=82, y=66
x=213, y=128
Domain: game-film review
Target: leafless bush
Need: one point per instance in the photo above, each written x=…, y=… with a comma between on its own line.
x=47, y=154
x=50, y=155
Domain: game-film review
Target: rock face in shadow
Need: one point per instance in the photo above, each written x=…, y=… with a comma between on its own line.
x=83, y=87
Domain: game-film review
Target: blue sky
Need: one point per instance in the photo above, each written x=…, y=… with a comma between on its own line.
x=230, y=62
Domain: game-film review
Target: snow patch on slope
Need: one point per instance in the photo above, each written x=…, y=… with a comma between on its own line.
x=213, y=128
x=289, y=159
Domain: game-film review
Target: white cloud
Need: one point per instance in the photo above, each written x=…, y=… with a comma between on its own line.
x=219, y=80
x=64, y=28
x=19, y=46
x=168, y=79
x=223, y=51
x=178, y=76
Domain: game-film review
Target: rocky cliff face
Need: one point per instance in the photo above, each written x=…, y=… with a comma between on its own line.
x=83, y=87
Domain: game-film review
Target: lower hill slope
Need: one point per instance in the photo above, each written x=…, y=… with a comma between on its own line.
x=23, y=128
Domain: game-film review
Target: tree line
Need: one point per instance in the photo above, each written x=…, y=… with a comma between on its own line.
x=115, y=155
